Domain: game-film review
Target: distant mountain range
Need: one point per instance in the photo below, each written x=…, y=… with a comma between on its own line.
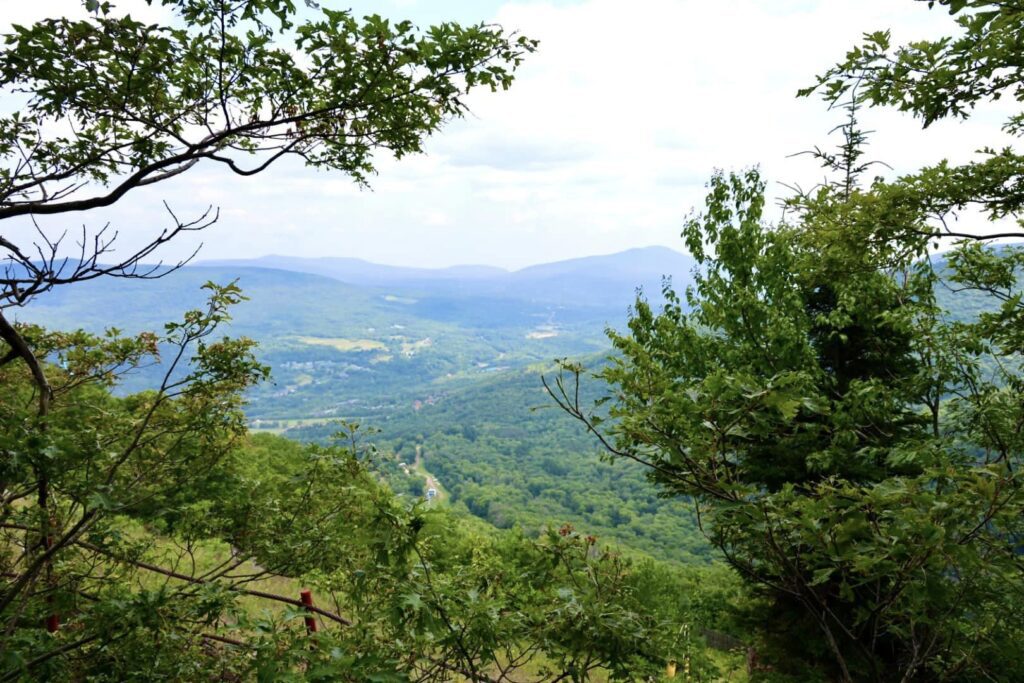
x=607, y=281
x=358, y=271
x=336, y=330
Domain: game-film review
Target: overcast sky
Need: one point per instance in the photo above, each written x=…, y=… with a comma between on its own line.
x=604, y=142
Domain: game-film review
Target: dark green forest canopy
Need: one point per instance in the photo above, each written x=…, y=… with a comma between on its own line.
x=503, y=451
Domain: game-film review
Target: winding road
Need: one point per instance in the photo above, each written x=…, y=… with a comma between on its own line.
x=432, y=482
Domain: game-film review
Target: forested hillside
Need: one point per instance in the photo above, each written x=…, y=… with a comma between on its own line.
x=503, y=450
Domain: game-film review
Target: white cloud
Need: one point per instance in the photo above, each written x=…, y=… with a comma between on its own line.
x=604, y=142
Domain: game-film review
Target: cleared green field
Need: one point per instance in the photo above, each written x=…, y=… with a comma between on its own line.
x=343, y=344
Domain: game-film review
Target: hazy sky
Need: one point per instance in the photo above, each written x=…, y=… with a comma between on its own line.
x=604, y=142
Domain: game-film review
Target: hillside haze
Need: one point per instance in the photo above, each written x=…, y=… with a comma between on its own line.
x=343, y=335
x=605, y=281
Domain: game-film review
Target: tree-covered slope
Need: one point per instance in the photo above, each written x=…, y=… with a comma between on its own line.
x=501, y=448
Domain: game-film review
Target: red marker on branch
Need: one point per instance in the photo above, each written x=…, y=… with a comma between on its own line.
x=307, y=600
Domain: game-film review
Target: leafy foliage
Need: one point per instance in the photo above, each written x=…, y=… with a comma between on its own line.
x=851, y=445
x=946, y=78
x=836, y=433
x=165, y=519
x=147, y=99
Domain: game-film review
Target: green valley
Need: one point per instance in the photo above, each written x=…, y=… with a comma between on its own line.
x=459, y=378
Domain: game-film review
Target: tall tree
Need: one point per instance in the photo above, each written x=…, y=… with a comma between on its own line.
x=852, y=448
